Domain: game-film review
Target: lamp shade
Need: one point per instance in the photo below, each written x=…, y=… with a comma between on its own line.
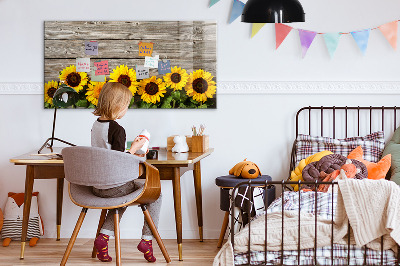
x=273, y=11
x=65, y=96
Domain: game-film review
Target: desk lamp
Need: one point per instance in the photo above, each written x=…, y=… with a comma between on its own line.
x=273, y=11
x=64, y=96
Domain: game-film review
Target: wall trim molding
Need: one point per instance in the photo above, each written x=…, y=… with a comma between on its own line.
x=309, y=87
x=21, y=88
x=259, y=87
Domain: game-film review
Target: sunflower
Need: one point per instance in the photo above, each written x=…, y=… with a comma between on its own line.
x=200, y=85
x=49, y=90
x=151, y=89
x=74, y=79
x=125, y=76
x=176, y=79
x=93, y=91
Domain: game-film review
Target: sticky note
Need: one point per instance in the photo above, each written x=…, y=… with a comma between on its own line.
x=97, y=78
x=142, y=72
x=91, y=48
x=102, y=68
x=151, y=62
x=83, y=65
x=145, y=48
x=164, y=67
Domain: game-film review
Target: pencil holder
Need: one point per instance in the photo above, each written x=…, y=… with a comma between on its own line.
x=200, y=143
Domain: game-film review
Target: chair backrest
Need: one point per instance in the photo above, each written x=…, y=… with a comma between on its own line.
x=92, y=166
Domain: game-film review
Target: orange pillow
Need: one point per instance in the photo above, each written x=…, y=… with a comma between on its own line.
x=375, y=170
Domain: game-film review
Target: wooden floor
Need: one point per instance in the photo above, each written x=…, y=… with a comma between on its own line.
x=50, y=252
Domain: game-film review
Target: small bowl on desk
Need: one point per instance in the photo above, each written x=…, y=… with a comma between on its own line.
x=152, y=155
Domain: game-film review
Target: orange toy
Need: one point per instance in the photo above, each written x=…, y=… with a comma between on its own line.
x=348, y=170
x=12, y=222
x=245, y=169
x=375, y=170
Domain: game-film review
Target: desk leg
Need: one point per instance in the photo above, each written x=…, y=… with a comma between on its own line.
x=176, y=182
x=199, y=204
x=60, y=190
x=27, y=206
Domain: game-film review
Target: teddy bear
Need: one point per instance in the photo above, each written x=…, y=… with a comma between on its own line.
x=180, y=144
x=245, y=169
x=13, y=215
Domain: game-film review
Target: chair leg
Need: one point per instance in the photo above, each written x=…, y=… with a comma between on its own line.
x=154, y=230
x=101, y=222
x=73, y=237
x=223, y=229
x=117, y=239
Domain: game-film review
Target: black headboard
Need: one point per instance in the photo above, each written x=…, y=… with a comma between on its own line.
x=344, y=121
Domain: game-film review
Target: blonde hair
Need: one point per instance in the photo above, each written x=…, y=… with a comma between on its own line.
x=113, y=98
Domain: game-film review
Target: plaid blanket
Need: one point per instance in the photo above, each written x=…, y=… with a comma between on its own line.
x=323, y=205
x=324, y=257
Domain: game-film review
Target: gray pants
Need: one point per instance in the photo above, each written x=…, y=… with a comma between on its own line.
x=154, y=208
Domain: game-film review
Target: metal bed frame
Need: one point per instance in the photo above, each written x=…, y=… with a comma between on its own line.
x=283, y=184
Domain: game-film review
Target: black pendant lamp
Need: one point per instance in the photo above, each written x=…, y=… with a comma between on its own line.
x=273, y=11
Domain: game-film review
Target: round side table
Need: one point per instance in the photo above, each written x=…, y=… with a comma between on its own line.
x=228, y=182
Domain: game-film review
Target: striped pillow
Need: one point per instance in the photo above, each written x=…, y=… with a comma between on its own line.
x=372, y=145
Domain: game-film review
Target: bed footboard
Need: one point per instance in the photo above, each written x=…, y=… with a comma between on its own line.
x=309, y=256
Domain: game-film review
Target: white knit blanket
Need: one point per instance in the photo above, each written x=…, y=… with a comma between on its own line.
x=372, y=207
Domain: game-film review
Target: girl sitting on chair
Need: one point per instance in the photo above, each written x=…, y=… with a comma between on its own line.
x=106, y=133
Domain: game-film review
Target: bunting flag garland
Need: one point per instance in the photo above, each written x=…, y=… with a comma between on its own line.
x=306, y=39
x=361, y=38
x=213, y=2
x=389, y=30
x=332, y=41
x=237, y=9
x=256, y=28
x=281, y=31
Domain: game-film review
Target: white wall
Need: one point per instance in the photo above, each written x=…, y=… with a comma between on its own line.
x=259, y=127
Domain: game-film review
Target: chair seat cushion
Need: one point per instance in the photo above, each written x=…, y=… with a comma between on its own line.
x=83, y=195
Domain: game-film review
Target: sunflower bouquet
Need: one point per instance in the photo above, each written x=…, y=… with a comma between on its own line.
x=176, y=89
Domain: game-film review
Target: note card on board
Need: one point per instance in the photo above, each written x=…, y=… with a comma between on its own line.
x=83, y=65
x=142, y=72
x=145, y=48
x=164, y=67
x=91, y=48
x=151, y=62
x=102, y=68
x=97, y=78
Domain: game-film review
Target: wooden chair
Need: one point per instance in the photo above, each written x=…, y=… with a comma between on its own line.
x=85, y=167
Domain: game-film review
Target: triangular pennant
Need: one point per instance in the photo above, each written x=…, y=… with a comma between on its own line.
x=389, y=30
x=281, y=31
x=361, y=37
x=255, y=28
x=213, y=2
x=332, y=41
x=237, y=9
x=306, y=39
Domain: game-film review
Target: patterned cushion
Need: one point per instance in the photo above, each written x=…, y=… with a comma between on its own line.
x=372, y=144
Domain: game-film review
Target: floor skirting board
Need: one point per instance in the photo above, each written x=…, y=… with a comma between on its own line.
x=259, y=87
